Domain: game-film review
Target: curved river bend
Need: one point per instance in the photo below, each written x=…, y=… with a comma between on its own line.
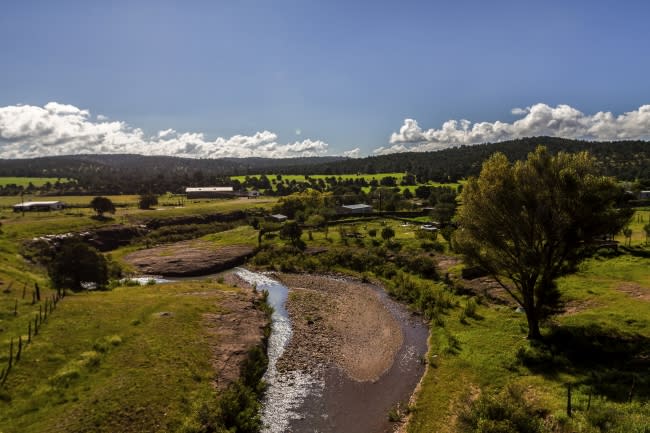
x=298, y=402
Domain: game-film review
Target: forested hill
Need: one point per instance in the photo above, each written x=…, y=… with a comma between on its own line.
x=70, y=166
x=129, y=174
x=112, y=174
x=627, y=160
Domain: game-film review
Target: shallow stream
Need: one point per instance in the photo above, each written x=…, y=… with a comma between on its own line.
x=298, y=402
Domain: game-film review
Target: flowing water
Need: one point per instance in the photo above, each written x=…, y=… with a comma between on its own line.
x=287, y=391
x=298, y=402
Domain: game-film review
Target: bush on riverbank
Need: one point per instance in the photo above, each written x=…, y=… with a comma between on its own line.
x=237, y=409
x=377, y=260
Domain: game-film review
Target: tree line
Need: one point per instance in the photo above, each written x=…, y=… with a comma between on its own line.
x=137, y=174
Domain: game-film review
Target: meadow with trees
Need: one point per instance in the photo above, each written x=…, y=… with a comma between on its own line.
x=531, y=272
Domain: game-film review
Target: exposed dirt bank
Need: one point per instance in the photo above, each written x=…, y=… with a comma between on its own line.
x=233, y=331
x=339, y=322
x=188, y=258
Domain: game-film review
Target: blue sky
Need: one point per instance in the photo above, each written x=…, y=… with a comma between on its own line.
x=346, y=75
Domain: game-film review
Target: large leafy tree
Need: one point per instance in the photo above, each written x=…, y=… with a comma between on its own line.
x=292, y=232
x=78, y=263
x=529, y=222
x=102, y=205
x=146, y=201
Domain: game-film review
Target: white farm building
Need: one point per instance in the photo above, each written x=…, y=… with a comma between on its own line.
x=41, y=206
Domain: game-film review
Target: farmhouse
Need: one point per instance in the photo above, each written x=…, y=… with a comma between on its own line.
x=41, y=206
x=355, y=209
x=209, y=192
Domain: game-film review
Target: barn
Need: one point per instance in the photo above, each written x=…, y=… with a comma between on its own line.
x=210, y=192
x=40, y=206
x=355, y=209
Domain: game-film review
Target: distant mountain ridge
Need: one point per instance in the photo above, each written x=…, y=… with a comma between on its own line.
x=67, y=165
x=627, y=160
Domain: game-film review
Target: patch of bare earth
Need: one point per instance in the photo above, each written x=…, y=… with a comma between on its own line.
x=576, y=306
x=188, y=258
x=489, y=288
x=233, y=331
x=446, y=262
x=634, y=290
x=338, y=322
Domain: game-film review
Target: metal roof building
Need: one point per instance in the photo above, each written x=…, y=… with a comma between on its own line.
x=209, y=192
x=359, y=208
x=38, y=206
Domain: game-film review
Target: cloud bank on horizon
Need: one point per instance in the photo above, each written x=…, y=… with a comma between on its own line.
x=28, y=131
x=538, y=120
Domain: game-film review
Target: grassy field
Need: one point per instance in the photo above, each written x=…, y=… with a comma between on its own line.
x=608, y=300
x=72, y=377
x=368, y=177
x=104, y=361
x=25, y=181
x=109, y=361
x=300, y=177
x=640, y=219
x=18, y=227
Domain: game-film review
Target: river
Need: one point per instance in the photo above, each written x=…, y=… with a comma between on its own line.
x=298, y=402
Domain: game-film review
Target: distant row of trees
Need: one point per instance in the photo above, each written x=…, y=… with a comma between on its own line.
x=136, y=174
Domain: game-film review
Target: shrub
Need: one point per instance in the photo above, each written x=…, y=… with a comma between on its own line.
x=65, y=376
x=90, y=359
x=506, y=412
x=78, y=263
x=147, y=200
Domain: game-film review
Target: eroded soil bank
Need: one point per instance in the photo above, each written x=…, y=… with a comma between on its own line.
x=233, y=330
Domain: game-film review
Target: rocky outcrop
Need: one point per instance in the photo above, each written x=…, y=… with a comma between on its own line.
x=188, y=258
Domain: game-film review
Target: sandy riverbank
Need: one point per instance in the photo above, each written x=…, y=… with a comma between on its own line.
x=338, y=322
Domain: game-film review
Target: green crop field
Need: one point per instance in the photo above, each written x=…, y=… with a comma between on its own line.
x=366, y=176
x=25, y=181
x=300, y=177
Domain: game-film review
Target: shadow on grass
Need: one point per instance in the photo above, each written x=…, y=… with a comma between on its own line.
x=102, y=218
x=607, y=361
x=637, y=251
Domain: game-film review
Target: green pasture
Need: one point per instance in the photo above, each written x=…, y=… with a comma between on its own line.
x=110, y=361
x=639, y=220
x=107, y=361
x=605, y=301
x=36, y=181
x=31, y=224
x=300, y=177
x=368, y=177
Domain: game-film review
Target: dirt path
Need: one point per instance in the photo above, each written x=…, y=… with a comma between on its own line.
x=338, y=322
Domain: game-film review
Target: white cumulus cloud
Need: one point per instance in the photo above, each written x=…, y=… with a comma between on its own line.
x=352, y=153
x=538, y=120
x=58, y=129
